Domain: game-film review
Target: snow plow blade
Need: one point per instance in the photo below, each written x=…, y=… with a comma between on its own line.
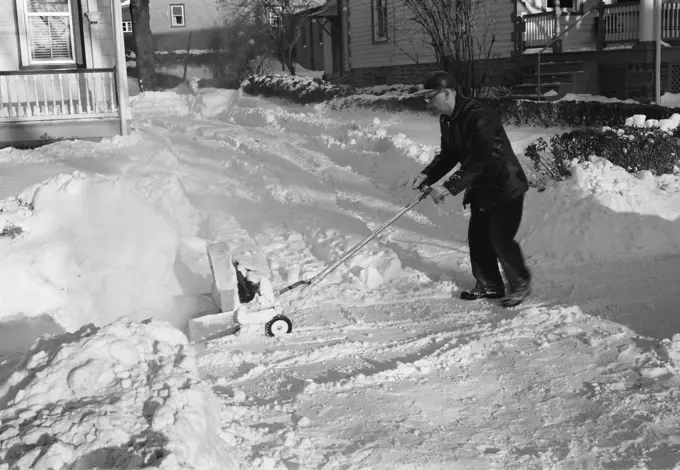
x=241, y=291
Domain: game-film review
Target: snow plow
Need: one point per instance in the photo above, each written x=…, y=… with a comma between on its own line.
x=244, y=294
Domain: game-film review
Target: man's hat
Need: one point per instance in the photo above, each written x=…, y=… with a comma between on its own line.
x=437, y=80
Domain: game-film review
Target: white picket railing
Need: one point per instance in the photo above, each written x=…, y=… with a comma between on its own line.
x=622, y=22
x=670, y=18
x=539, y=29
x=58, y=94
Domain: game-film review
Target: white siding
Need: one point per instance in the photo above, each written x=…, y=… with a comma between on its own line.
x=199, y=15
x=497, y=15
x=405, y=45
x=9, y=53
x=364, y=53
x=102, y=47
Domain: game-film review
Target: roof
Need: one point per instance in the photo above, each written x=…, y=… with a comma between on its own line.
x=329, y=9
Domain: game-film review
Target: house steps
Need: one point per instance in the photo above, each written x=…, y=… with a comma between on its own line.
x=557, y=78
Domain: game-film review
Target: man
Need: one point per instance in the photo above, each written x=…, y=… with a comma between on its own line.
x=494, y=184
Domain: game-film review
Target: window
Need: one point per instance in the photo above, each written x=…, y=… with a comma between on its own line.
x=177, y=19
x=569, y=4
x=380, y=20
x=127, y=26
x=48, y=32
x=303, y=36
x=320, y=29
x=274, y=16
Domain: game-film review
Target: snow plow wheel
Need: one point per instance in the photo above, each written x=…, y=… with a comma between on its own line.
x=277, y=326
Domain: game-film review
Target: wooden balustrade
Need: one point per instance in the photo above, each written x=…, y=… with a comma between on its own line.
x=620, y=24
x=57, y=94
x=670, y=21
x=539, y=29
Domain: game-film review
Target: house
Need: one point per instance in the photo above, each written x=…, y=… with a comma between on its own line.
x=583, y=46
x=309, y=48
x=58, y=74
x=332, y=19
x=179, y=25
x=596, y=47
x=372, y=42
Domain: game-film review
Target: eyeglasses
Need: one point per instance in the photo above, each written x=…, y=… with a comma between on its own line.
x=431, y=97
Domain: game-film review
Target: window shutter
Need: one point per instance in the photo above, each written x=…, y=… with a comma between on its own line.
x=50, y=38
x=50, y=33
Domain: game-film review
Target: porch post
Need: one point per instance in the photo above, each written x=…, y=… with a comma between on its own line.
x=646, y=21
x=344, y=21
x=121, y=68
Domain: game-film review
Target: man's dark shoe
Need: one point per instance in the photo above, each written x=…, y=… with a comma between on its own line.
x=518, y=295
x=483, y=292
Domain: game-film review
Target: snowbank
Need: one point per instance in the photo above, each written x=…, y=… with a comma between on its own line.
x=603, y=213
x=124, y=396
x=211, y=103
x=640, y=120
x=89, y=250
x=160, y=103
x=589, y=97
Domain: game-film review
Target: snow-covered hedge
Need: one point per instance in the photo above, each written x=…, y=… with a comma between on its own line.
x=298, y=89
x=305, y=90
x=632, y=148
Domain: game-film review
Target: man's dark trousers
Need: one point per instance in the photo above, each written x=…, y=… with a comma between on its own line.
x=491, y=238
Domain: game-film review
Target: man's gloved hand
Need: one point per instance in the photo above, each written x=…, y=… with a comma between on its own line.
x=439, y=193
x=420, y=181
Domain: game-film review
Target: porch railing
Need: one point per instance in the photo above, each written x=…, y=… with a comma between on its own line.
x=670, y=21
x=57, y=94
x=622, y=22
x=539, y=29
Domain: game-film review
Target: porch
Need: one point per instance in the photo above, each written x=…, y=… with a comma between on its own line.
x=602, y=50
x=610, y=25
x=58, y=103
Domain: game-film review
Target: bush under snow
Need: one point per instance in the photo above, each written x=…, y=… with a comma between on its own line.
x=124, y=396
x=566, y=112
x=601, y=213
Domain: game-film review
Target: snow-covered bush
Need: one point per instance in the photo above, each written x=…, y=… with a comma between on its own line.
x=298, y=89
x=632, y=148
x=574, y=113
x=395, y=98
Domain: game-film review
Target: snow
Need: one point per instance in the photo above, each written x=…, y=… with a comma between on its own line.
x=385, y=367
x=672, y=100
x=124, y=396
x=575, y=220
x=589, y=97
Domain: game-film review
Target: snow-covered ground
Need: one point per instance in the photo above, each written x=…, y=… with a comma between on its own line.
x=385, y=367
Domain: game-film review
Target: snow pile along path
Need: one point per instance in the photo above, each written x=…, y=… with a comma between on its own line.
x=603, y=213
x=124, y=396
x=87, y=249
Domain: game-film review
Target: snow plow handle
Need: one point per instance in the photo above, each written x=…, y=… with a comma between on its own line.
x=422, y=195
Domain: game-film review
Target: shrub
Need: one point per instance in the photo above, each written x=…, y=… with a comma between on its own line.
x=302, y=90
x=396, y=98
x=573, y=113
x=11, y=231
x=634, y=149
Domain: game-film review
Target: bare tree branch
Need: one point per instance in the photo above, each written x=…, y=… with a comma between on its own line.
x=462, y=34
x=280, y=19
